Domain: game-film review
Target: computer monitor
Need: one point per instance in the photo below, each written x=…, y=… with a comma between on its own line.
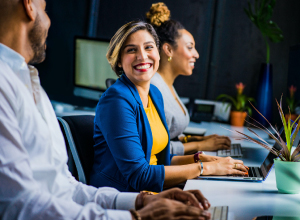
x=91, y=68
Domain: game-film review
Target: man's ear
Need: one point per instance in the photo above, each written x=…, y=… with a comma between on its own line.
x=168, y=49
x=29, y=9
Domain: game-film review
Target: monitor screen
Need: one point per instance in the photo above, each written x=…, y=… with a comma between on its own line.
x=91, y=68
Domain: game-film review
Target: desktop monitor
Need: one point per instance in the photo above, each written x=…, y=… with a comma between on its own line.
x=91, y=68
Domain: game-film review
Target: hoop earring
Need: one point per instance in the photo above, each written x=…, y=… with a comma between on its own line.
x=169, y=59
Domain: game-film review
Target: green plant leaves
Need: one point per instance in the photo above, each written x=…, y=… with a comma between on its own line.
x=261, y=18
x=285, y=153
x=240, y=103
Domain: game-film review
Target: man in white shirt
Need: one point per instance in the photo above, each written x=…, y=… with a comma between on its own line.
x=34, y=179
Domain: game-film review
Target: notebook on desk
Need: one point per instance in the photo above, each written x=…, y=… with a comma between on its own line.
x=194, y=131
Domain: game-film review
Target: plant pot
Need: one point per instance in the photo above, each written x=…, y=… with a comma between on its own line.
x=287, y=176
x=293, y=116
x=237, y=118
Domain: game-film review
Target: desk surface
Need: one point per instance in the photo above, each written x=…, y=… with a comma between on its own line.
x=246, y=199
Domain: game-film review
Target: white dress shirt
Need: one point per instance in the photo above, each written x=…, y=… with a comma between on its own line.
x=35, y=182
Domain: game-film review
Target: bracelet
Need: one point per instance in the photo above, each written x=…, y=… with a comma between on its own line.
x=185, y=139
x=135, y=214
x=139, y=202
x=196, y=156
x=201, y=172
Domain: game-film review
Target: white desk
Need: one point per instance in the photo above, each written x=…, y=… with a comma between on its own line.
x=220, y=128
x=246, y=199
x=253, y=154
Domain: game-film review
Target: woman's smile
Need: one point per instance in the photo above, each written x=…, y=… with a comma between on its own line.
x=143, y=67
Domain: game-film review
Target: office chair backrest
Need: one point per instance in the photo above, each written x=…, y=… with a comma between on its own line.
x=71, y=163
x=79, y=131
x=109, y=82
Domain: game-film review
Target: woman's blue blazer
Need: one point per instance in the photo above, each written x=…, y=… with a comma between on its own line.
x=123, y=140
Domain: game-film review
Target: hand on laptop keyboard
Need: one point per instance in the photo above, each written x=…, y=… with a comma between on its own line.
x=212, y=143
x=225, y=166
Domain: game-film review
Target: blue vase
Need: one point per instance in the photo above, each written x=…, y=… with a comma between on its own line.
x=264, y=96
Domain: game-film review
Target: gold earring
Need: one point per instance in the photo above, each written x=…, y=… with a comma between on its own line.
x=169, y=59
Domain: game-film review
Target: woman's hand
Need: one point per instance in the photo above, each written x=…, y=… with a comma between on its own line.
x=225, y=166
x=207, y=158
x=214, y=142
x=171, y=209
x=191, y=197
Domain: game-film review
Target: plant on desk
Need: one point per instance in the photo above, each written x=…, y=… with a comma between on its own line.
x=239, y=104
x=287, y=165
x=292, y=104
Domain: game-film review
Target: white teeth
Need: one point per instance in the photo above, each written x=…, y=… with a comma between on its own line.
x=192, y=64
x=143, y=67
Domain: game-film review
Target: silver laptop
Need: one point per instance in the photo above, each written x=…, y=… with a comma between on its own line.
x=256, y=174
x=219, y=212
x=234, y=151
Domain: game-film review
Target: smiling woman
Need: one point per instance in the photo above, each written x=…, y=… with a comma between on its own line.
x=139, y=58
x=132, y=144
x=178, y=56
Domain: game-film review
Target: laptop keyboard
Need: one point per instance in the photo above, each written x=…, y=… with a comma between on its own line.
x=219, y=212
x=234, y=151
x=254, y=172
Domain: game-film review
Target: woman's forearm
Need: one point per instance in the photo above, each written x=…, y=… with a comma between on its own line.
x=182, y=160
x=190, y=148
x=178, y=174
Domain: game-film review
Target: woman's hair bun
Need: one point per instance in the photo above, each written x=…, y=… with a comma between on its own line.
x=158, y=14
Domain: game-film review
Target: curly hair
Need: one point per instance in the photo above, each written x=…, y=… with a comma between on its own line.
x=116, y=43
x=167, y=29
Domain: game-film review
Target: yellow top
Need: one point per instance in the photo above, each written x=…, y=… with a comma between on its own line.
x=159, y=133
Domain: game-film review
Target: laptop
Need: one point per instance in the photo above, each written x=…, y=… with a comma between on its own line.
x=219, y=212
x=234, y=151
x=256, y=174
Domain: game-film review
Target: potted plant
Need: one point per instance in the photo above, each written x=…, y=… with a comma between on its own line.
x=260, y=15
x=239, y=105
x=287, y=164
x=292, y=104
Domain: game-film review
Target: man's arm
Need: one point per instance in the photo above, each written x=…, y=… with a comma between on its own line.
x=21, y=197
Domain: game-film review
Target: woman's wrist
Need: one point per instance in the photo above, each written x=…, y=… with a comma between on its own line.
x=197, y=156
x=186, y=139
x=207, y=168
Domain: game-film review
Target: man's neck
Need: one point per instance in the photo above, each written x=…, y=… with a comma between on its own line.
x=17, y=40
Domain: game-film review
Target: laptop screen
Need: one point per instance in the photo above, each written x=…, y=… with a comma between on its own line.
x=269, y=161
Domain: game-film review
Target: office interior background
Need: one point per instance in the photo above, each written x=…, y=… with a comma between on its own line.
x=230, y=46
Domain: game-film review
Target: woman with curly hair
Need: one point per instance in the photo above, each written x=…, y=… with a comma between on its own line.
x=177, y=57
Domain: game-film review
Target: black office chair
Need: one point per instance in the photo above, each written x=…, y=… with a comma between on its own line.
x=78, y=132
x=109, y=82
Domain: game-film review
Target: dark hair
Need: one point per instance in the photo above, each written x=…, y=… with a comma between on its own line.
x=116, y=43
x=166, y=28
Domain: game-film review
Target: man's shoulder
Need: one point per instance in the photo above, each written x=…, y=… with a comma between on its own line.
x=7, y=78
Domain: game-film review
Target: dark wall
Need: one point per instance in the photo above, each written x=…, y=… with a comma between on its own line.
x=239, y=49
x=231, y=48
